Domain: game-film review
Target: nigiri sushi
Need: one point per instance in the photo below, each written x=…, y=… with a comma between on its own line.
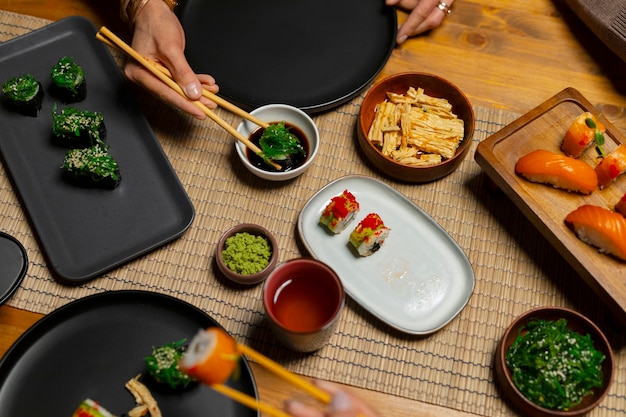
x=611, y=166
x=620, y=206
x=340, y=211
x=369, y=235
x=211, y=357
x=585, y=131
x=558, y=170
x=599, y=227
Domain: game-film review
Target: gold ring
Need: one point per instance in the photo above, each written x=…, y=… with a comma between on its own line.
x=444, y=8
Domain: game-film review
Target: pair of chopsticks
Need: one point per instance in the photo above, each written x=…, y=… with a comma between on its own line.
x=278, y=370
x=162, y=73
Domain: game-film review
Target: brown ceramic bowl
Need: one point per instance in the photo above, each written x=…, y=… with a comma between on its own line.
x=242, y=278
x=576, y=322
x=434, y=86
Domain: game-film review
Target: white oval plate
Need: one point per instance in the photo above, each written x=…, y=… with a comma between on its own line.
x=417, y=282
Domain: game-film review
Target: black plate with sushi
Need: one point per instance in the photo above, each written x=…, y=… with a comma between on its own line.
x=314, y=55
x=87, y=222
x=91, y=347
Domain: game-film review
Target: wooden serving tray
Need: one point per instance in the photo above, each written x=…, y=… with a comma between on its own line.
x=544, y=128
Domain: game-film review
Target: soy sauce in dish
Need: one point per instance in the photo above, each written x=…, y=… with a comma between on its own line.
x=288, y=164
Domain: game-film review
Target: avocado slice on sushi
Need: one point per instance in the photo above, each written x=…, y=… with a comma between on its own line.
x=23, y=94
x=91, y=167
x=68, y=81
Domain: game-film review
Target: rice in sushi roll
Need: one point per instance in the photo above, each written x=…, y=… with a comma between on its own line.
x=76, y=128
x=369, y=235
x=339, y=212
x=24, y=94
x=68, y=81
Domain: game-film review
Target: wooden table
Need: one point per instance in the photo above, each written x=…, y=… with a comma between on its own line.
x=509, y=55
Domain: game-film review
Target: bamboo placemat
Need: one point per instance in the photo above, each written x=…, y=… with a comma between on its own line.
x=515, y=268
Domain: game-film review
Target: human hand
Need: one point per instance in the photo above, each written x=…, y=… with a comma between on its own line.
x=159, y=36
x=423, y=15
x=343, y=404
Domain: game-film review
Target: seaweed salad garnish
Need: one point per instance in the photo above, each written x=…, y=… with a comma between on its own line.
x=163, y=365
x=278, y=143
x=553, y=366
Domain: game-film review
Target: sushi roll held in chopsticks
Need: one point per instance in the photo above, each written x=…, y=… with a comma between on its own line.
x=611, y=166
x=369, y=235
x=68, y=81
x=211, y=357
x=340, y=211
x=582, y=134
x=23, y=94
x=558, y=170
x=601, y=228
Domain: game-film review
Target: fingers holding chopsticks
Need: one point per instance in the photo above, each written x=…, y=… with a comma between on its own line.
x=342, y=404
x=158, y=36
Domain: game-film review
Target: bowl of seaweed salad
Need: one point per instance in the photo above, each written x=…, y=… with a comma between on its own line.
x=554, y=361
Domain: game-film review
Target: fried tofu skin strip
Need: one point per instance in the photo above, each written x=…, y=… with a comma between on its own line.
x=144, y=399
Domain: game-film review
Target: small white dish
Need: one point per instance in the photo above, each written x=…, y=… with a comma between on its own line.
x=417, y=282
x=274, y=113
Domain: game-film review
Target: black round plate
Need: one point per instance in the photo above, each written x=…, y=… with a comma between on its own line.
x=91, y=347
x=13, y=265
x=314, y=54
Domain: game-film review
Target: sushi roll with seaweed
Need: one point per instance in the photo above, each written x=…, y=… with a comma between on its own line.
x=76, y=128
x=91, y=408
x=369, y=235
x=91, y=167
x=212, y=356
x=23, y=94
x=340, y=211
x=68, y=81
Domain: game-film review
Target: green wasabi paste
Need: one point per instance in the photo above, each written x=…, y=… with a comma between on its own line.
x=246, y=254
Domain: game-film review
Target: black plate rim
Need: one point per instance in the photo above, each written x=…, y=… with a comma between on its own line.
x=20, y=277
x=320, y=107
x=39, y=328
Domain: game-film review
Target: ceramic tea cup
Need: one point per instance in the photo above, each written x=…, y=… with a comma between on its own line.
x=303, y=300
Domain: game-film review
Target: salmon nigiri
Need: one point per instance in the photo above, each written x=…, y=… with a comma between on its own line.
x=599, y=227
x=212, y=356
x=611, y=166
x=558, y=170
x=585, y=131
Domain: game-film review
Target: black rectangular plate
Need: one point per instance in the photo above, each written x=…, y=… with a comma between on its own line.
x=85, y=232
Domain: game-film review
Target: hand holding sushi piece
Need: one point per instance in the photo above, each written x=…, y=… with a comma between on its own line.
x=582, y=134
x=599, y=227
x=560, y=171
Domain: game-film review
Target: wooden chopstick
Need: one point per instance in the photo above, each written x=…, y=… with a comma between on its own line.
x=248, y=401
x=109, y=37
x=288, y=376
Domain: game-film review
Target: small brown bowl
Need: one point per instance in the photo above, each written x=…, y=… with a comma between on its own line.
x=433, y=86
x=576, y=322
x=241, y=278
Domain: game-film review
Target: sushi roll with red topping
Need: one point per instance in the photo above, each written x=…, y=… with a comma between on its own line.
x=558, y=170
x=23, y=94
x=369, y=235
x=599, y=227
x=90, y=408
x=340, y=211
x=611, y=166
x=211, y=357
x=584, y=132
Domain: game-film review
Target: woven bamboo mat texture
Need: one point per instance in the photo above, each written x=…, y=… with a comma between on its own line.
x=515, y=268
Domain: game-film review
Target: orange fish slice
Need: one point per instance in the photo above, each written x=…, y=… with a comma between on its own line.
x=611, y=166
x=599, y=227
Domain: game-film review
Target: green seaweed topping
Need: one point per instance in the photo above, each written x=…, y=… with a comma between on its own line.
x=67, y=74
x=553, y=366
x=278, y=143
x=94, y=162
x=163, y=365
x=23, y=88
x=73, y=120
x=598, y=136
